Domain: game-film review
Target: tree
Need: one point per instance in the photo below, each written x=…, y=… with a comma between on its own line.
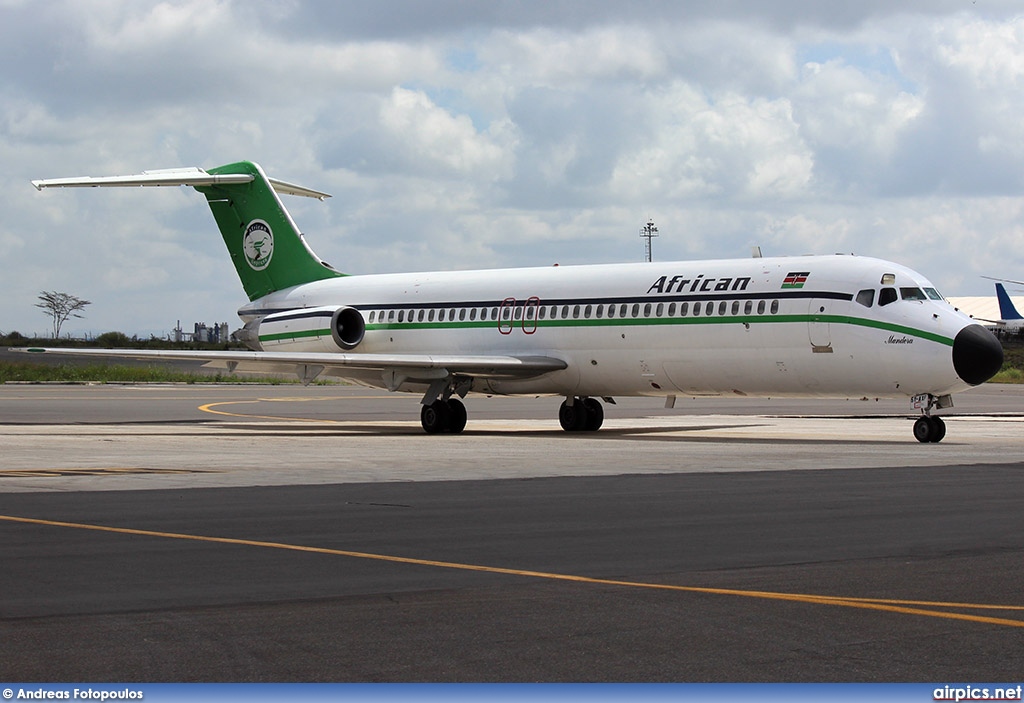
x=60, y=307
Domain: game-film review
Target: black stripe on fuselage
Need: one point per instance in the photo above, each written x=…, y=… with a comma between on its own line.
x=299, y=313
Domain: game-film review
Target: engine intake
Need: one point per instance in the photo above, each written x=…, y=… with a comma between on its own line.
x=347, y=327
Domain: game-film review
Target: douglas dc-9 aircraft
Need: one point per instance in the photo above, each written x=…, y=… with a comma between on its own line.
x=811, y=326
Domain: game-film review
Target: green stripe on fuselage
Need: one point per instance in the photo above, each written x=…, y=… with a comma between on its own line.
x=628, y=322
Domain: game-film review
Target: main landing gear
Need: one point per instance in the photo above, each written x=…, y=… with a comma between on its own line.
x=443, y=416
x=928, y=427
x=581, y=415
x=449, y=416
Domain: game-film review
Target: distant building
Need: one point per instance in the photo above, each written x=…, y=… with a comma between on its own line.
x=216, y=334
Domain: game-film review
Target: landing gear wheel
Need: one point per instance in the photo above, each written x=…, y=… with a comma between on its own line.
x=456, y=416
x=573, y=418
x=595, y=414
x=928, y=428
x=435, y=417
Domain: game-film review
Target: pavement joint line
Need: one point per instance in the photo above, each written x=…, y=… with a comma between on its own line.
x=906, y=607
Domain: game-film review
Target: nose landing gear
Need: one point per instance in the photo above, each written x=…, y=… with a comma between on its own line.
x=930, y=428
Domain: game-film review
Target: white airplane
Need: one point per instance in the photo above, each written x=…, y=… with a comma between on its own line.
x=812, y=326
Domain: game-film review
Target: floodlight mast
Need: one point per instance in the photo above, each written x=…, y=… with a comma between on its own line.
x=648, y=232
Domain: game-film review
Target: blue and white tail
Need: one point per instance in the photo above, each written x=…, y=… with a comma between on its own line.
x=1007, y=311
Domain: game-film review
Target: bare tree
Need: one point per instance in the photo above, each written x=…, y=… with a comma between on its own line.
x=60, y=307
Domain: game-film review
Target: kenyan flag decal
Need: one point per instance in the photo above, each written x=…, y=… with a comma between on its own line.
x=795, y=279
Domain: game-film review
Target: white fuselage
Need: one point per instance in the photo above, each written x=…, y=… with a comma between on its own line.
x=760, y=326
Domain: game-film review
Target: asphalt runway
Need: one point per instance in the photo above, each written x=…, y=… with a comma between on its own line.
x=259, y=533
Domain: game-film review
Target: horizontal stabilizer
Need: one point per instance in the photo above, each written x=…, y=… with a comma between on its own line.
x=175, y=177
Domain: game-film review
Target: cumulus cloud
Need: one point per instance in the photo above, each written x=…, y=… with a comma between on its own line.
x=458, y=134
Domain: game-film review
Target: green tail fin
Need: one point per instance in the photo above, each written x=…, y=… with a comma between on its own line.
x=266, y=247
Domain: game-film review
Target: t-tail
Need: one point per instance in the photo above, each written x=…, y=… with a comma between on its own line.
x=1007, y=311
x=266, y=247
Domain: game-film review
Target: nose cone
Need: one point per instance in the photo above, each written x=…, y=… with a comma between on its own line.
x=977, y=354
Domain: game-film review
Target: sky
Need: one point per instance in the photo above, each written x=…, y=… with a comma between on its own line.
x=463, y=135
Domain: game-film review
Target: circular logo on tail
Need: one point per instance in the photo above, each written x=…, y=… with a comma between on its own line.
x=258, y=245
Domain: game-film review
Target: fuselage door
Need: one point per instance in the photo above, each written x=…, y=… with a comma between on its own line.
x=818, y=326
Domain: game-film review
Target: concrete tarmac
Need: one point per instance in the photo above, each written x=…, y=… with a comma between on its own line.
x=275, y=533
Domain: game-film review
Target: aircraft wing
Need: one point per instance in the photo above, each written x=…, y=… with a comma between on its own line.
x=395, y=368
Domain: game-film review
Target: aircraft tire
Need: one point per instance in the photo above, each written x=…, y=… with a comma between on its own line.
x=929, y=429
x=456, y=416
x=573, y=418
x=922, y=428
x=594, y=414
x=435, y=417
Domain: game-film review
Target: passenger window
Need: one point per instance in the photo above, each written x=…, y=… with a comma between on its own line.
x=735, y=307
x=722, y=307
x=683, y=309
x=671, y=309
x=912, y=294
x=709, y=308
x=866, y=297
x=760, y=307
x=886, y=296
x=647, y=310
x=748, y=307
x=775, y=306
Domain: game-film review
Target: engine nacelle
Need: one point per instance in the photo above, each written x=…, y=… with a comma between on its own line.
x=326, y=328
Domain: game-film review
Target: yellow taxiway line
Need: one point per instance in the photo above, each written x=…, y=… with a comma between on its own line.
x=908, y=607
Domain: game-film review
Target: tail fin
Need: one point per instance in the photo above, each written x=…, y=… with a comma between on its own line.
x=1007, y=311
x=266, y=247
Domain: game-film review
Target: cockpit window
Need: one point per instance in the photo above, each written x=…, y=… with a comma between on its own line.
x=866, y=297
x=887, y=295
x=912, y=294
x=932, y=293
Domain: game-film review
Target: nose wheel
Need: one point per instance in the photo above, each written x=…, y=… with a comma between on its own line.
x=929, y=428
